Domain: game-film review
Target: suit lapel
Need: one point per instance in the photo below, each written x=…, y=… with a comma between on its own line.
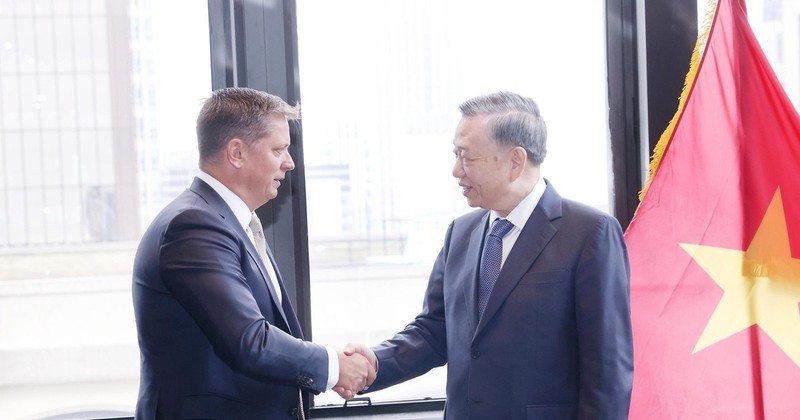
x=214, y=200
x=286, y=309
x=251, y=249
x=536, y=234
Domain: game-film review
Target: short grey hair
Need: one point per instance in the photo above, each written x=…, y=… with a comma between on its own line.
x=514, y=120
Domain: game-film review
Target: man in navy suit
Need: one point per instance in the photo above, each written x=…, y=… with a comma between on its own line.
x=549, y=337
x=218, y=336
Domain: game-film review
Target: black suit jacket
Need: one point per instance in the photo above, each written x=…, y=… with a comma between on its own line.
x=214, y=342
x=554, y=341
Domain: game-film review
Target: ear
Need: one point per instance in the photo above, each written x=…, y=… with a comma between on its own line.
x=234, y=152
x=519, y=160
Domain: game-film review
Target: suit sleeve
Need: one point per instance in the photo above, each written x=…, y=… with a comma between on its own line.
x=422, y=345
x=602, y=293
x=201, y=265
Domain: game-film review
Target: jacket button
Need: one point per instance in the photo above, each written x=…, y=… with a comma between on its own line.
x=476, y=354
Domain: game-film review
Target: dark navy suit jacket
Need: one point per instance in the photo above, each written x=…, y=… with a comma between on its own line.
x=554, y=341
x=214, y=341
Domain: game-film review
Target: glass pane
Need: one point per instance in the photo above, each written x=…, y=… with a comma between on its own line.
x=54, y=214
x=31, y=160
x=48, y=110
x=381, y=82
x=8, y=58
x=65, y=60
x=45, y=42
x=94, y=126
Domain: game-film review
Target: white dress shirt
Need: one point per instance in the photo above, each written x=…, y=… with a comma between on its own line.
x=519, y=216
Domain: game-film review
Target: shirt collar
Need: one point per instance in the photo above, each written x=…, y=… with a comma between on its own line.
x=520, y=215
x=236, y=204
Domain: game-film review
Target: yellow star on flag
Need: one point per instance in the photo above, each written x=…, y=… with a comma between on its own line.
x=761, y=285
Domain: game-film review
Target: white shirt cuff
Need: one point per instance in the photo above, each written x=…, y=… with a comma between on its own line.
x=333, y=368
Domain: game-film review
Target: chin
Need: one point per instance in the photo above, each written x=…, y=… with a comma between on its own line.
x=472, y=203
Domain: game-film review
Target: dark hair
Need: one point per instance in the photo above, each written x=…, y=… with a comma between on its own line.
x=514, y=121
x=237, y=113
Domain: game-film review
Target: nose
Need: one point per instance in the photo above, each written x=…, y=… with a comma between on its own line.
x=458, y=169
x=288, y=163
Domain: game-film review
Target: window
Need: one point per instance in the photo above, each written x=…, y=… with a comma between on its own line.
x=381, y=82
x=97, y=119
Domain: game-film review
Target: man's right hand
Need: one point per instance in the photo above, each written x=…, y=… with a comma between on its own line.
x=355, y=373
x=365, y=351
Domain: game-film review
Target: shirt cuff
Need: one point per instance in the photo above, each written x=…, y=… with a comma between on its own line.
x=333, y=368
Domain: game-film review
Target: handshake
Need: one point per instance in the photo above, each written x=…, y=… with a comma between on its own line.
x=358, y=367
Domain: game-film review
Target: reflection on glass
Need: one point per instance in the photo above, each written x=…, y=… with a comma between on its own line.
x=96, y=135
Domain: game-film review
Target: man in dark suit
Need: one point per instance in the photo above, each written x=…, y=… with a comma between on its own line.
x=549, y=337
x=218, y=336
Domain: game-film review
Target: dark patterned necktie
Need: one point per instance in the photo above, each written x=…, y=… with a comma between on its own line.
x=491, y=260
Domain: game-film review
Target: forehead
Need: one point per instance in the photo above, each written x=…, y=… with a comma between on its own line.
x=278, y=130
x=471, y=134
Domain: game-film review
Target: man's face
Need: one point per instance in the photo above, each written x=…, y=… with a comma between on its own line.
x=268, y=162
x=482, y=167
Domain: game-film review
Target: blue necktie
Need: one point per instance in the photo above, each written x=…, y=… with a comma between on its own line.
x=491, y=260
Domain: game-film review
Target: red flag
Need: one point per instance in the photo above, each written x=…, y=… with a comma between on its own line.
x=715, y=242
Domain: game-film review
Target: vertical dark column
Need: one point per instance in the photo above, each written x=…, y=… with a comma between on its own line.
x=670, y=30
x=254, y=44
x=623, y=102
x=671, y=27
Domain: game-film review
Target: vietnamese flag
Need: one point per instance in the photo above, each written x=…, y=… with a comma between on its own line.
x=715, y=243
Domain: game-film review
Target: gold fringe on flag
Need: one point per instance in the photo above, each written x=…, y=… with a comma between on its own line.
x=697, y=54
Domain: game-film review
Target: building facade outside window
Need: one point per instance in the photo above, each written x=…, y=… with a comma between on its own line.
x=97, y=116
